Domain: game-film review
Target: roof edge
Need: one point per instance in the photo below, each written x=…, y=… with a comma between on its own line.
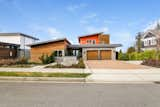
x=48, y=41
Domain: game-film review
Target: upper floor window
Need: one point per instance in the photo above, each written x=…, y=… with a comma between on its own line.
x=91, y=41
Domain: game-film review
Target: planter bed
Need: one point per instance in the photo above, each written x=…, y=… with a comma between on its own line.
x=62, y=66
x=151, y=62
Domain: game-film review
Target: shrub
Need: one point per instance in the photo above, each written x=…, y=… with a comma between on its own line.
x=81, y=63
x=22, y=60
x=123, y=56
x=151, y=62
x=149, y=54
x=8, y=61
x=45, y=59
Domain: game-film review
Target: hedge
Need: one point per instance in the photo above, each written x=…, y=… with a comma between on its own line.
x=149, y=54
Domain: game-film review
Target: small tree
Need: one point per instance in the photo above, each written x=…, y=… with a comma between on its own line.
x=130, y=50
x=139, y=42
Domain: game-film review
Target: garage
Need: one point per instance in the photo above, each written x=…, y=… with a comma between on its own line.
x=105, y=54
x=92, y=55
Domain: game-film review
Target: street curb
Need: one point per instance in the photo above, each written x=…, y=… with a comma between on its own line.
x=52, y=79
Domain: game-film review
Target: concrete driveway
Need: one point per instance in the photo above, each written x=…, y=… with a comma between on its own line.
x=109, y=64
x=121, y=72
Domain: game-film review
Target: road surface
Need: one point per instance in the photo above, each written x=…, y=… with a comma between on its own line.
x=78, y=95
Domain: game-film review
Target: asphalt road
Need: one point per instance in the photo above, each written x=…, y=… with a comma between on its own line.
x=79, y=95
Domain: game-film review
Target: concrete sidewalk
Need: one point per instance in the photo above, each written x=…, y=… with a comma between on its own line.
x=113, y=75
x=64, y=70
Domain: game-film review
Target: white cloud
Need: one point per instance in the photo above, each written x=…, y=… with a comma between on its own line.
x=87, y=18
x=75, y=7
x=91, y=29
x=54, y=33
x=123, y=37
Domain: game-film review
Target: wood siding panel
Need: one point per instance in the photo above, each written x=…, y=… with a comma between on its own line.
x=92, y=55
x=37, y=51
x=104, y=39
x=105, y=54
x=5, y=53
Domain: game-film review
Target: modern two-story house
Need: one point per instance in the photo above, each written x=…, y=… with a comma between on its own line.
x=19, y=40
x=96, y=47
x=91, y=47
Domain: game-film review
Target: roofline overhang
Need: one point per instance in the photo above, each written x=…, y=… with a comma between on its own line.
x=49, y=41
x=89, y=35
x=95, y=46
x=18, y=33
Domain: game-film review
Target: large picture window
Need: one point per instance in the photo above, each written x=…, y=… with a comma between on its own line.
x=58, y=53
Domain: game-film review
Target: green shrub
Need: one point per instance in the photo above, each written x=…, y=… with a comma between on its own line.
x=22, y=60
x=81, y=63
x=123, y=56
x=148, y=54
x=45, y=59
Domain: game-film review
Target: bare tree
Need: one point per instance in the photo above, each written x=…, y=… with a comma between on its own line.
x=139, y=42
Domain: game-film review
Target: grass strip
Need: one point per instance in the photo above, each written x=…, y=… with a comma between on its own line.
x=41, y=74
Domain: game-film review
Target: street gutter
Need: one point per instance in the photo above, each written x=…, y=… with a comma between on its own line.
x=51, y=79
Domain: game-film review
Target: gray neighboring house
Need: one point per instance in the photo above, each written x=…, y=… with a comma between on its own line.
x=149, y=39
x=21, y=39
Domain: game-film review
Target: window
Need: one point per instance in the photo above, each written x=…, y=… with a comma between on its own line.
x=91, y=41
x=58, y=53
x=88, y=41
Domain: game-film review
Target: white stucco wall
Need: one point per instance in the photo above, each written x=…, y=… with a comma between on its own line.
x=17, y=39
x=10, y=39
x=25, y=41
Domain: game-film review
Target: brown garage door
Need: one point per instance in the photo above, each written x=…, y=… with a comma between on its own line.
x=105, y=54
x=92, y=55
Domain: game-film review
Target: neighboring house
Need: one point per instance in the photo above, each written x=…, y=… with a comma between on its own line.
x=92, y=47
x=149, y=39
x=47, y=47
x=8, y=50
x=21, y=39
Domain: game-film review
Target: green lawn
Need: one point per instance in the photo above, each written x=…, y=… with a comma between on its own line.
x=40, y=74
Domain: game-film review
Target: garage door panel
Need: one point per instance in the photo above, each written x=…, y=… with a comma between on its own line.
x=92, y=55
x=105, y=54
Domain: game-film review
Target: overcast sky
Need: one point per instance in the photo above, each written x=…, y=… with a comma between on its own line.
x=50, y=19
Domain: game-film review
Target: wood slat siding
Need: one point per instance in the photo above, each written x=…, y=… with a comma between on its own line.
x=104, y=39
x=39, y=50
x=5, y=53
x=105, y=54
x=92, y=55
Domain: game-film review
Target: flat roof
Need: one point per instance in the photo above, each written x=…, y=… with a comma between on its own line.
x=14, y=34
x=49, y=41
x=95, y=46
